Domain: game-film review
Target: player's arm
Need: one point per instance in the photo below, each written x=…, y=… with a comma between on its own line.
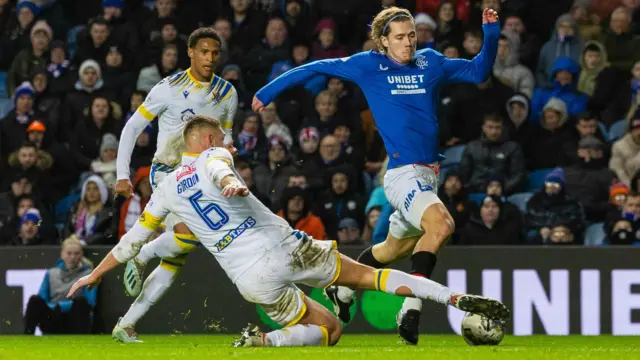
x=219, y=172
x=153, y=106
x=151, y=218
x=477, y=70
x=349, y=68
x=231, y=108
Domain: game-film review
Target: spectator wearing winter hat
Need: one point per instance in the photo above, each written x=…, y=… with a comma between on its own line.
x=517, y=127
x=597, y=79
x=618, y=193
x=29, y=231
x=588, y=180
x=296, y=210
x=90, y=213
x=251, y=141
x=425, y=27
x=625, y=154
x=273, y=176
x=105, y=165
x=93, y=42
x=17, y=34
x=548, y=139
x=564, y=77
x=551, y=206
x=565, y=42
x=31, y=59
x=14, y=126
x=489, y=226
x=327, y=46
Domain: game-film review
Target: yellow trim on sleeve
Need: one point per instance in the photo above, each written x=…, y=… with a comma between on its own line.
x=149, y=221
x=325, y=336
x=227, y=161
x=190, y=154
x=303, y=310
x=146, y=113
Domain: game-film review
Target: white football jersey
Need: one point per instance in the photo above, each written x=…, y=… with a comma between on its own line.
x=177, y=97
x=237, y=230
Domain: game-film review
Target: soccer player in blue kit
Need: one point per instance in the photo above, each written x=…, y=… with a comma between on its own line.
x=401, y=87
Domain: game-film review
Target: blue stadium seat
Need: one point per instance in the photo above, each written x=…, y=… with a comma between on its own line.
x=453, y=156
x=477, y=197
x=3, y=86
x=6, y=105
x=617, y=130
x=595, y=236
x=520, y=200
x=604, y=130
x=535, y=179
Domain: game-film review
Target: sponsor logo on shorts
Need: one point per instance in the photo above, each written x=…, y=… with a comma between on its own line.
x=412, y=194
x=233, y=234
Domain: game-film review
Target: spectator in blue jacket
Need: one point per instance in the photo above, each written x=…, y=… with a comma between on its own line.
x=564, y=42
x=50, y=309
x=564, y=75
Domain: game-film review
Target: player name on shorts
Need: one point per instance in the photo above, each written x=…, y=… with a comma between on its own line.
x=233, y=234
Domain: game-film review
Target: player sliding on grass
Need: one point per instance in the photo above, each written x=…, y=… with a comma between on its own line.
x=260, y=252
x=401, y=86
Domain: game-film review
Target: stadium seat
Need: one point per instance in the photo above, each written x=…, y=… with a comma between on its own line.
x=595, y=236
x=477, y=197
x=617, y=130
x=535, y=180
x=605, y=131
x=6, y=105
x=453, y=156
x=520, y=200
x=3, y=86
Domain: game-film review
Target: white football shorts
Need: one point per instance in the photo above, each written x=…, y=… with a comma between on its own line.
x=410, y=189
x=271, y=281
x=158, y=172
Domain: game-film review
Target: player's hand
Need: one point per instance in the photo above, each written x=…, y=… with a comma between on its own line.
x=235, y=189
x=124, y=188
x=489, y=16
x=231, y=148
x=87, y=280
x=257, y=105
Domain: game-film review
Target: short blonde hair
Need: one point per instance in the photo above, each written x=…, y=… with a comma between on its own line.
x=380, y=25
x=198, y=122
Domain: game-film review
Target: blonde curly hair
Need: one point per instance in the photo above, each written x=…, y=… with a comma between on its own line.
x=380, y=25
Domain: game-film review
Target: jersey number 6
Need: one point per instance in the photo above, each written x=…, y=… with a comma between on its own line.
x=205, y=213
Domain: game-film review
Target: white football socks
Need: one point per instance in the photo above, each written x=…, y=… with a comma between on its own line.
x=298, y=335
x=153, y=288
x=164, y=246
x=390, y=281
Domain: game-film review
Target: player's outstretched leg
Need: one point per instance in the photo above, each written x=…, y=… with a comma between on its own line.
x=317, y=327
x=155, y=286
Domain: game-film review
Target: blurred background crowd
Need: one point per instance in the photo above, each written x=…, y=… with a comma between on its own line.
x=546, y=151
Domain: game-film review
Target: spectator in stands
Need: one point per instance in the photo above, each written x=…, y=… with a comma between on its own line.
x=449, y=28
x=11, y=213
x=308, y=141
x=300, y=55
x=372, y=215
x=340, y=200
x=229, y=51
x=624, y=227
x=233, y=74
x=510, y=212
x=545, y=148
x=563, y=234
x=564, y=43
x=588, y=180
x=296, y=15
x=259, y=61
x=455, y=198
x=89, y=215
x=623, y=47
x=425, y=27
x=46, y=102
x=95, y=44
x=472, y=44
x=351, y=145
x=132, y=208
x=625, y=154
x=349, y=232
x=624, y=103
x=296, y=210
x=123, y=32
x=119, y=77
x=32, y=58
x=489, y=226
x=88, y=132
x=29, y=230
x=273, y=176
x=248, y=25
x=565, y=75
x=597, y=80
x=586, y=126
x=507, y=67
x=273, y=126
x=452, y=51
x=244, y=169
x=326, y=46
x=552, y=206
x=28, y=159
x=58, y=66
x=587, y=21
x=51, y=310
x=618, y=193
x=168, y=35
x=163, y=9
x=251, y=141
x=529, y=42
x=18, y=31
x=13, y=127
x=518, y=128
x=18, y=184
x=492, y=154
x=105, y=165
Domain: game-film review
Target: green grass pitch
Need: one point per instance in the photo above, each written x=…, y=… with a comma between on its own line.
x=369, y=347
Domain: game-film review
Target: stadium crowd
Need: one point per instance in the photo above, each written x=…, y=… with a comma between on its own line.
x=546, y=151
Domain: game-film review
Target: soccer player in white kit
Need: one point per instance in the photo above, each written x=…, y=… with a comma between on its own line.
x=261, y=254
x=196, y=91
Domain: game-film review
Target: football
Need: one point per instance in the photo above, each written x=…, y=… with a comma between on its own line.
x=480, y=330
